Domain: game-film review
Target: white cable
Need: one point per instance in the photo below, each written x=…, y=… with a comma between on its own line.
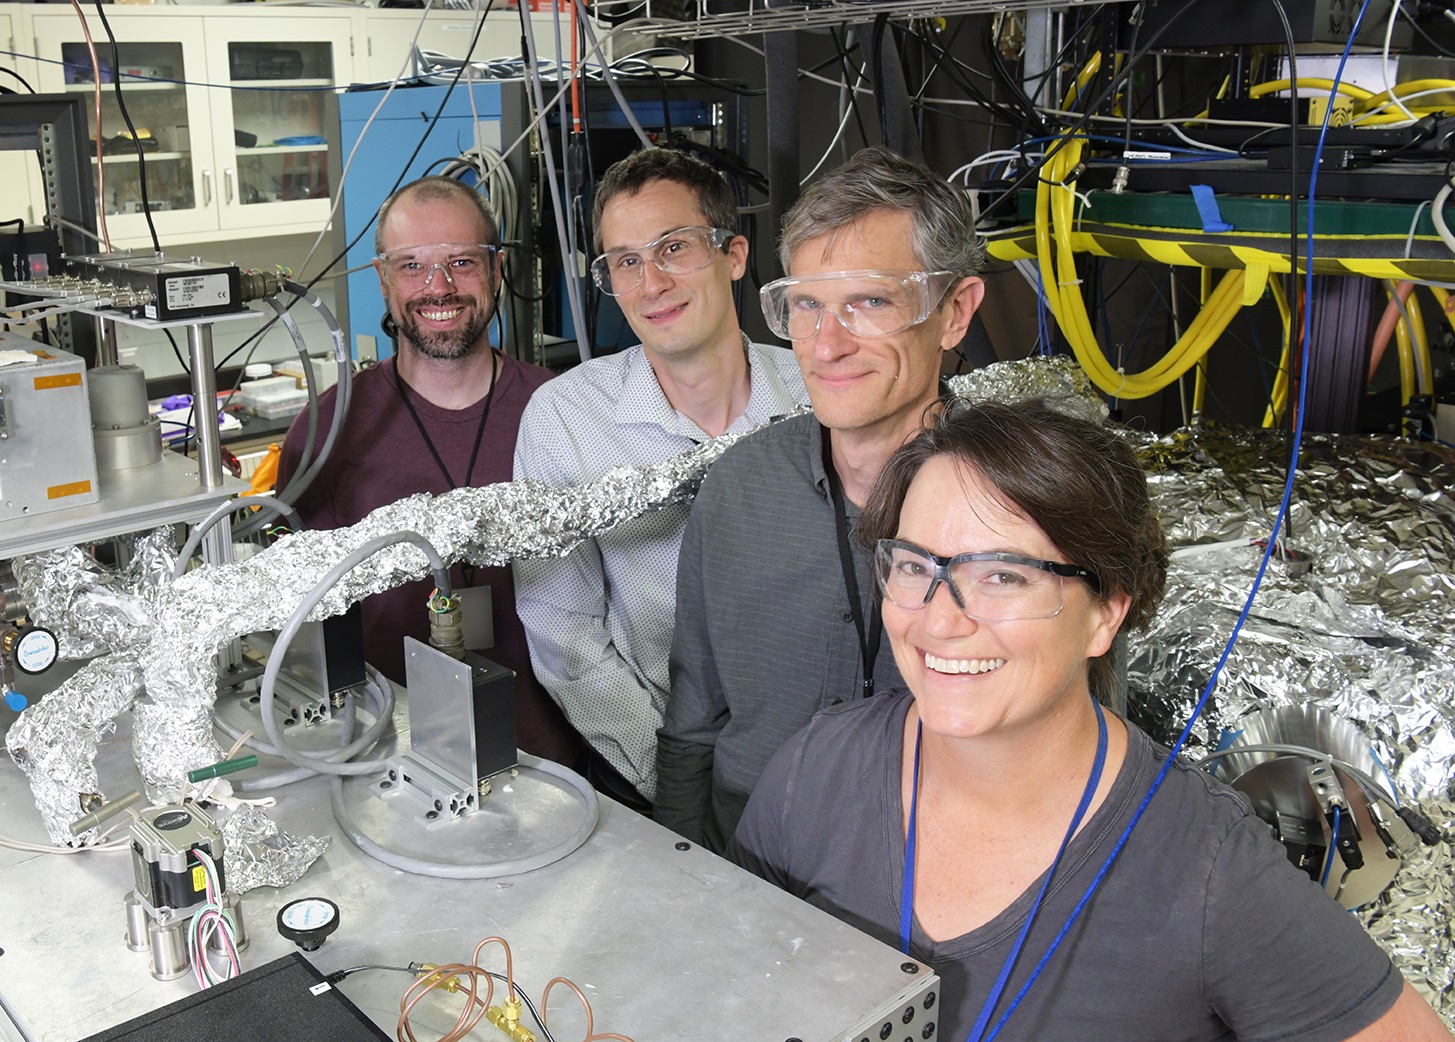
x=1384, y=64
x=1437, y=214
x=267, y=685
x=338, y=192
x=849, y=110
x=573, y=288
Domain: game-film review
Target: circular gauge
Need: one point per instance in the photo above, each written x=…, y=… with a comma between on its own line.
x=36, y=650
x=308, y=921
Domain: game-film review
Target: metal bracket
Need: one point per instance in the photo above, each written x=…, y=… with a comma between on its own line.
x=442, y=795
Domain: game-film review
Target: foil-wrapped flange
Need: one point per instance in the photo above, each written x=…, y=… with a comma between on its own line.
x=1356, y=616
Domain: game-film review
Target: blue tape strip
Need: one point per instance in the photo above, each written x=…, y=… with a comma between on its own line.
x=1207, y=209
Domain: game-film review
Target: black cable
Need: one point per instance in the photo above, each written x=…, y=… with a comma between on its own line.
x=850, y=79
x=1291, y=291
x=141, y=163
x=1137, y=16
x=951, y=66
x=19, y=78
x=404, y=170
x=1033, y=169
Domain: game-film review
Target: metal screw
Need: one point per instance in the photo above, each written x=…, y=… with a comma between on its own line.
x=684, y=846
x=909, y=967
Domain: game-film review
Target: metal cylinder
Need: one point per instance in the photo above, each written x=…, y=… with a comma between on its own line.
x=118, y=396
x=233, y=904
x=125, y=432
x=136, y=923
x=169, y=949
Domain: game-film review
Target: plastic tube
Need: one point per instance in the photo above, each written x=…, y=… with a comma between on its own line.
x=381, y=694
x=290, y=629
x=492, y=870
x=267, y=504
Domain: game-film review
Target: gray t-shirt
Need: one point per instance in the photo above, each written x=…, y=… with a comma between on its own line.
x=1201, y=931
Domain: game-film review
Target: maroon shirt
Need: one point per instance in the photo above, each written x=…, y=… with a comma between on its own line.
x=380, y=457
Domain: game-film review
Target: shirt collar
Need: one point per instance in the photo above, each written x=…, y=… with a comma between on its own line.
x=642, y=400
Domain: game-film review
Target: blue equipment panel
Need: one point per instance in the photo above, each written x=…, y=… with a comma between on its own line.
x=395, y=133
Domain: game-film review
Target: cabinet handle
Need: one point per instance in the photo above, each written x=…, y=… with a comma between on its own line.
x=227, y=182
x=207, y=188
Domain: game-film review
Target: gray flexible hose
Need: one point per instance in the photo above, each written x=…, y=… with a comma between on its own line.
x=510, y=867
x=194, y=540
x=298, y=758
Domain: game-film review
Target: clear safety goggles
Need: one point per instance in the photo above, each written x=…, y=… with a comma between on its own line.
x=467, y=264
x=678, y=252
x=866, y=303
x=990, y=587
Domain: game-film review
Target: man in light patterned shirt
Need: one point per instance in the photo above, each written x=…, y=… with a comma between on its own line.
x=599, y=621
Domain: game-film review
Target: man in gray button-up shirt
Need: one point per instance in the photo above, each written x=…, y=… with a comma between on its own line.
x=775, y=603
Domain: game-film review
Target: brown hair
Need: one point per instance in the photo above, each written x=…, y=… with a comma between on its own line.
x=630, y=175
x=1076, y=480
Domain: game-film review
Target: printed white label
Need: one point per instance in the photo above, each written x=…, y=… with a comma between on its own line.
x=197, y=291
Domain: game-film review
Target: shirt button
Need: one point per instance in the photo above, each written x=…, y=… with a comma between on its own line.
x=836, y=701
x=848, y=616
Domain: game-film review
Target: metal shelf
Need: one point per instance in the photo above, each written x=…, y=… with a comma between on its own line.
x=132, y=500
x=713, y=20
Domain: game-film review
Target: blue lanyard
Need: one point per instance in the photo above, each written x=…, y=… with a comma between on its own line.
x=906, y=890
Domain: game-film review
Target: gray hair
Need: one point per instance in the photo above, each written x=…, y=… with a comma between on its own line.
x=944, y=237
x=437, y=187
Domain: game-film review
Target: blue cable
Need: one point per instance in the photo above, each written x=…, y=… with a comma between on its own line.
x=1333, y=849
x=1043, y=325
x=1268, y=551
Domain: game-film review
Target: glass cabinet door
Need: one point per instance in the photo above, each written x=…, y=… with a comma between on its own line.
x=160, y=81
x=279, y=116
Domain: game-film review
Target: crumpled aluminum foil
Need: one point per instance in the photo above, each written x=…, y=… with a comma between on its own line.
x=171, y=647
x=89, y=607
x=1058, y=380
x=1362, y=625
x=259, y=853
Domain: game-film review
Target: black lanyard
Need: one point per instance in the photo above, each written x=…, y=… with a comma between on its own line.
x=468, y=570
x=429, y=442
x=871, y=632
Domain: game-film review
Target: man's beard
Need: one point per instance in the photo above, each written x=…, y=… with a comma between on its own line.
x=445, y=344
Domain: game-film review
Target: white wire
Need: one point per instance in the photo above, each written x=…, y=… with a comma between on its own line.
x=1384, y=65
x=849, y=110
x=1437, y=214
x=1199, y=144
x=338, y=194
x=1408, y=97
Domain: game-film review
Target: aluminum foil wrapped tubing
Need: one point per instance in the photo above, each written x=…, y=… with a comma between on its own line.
x=1058, y=381
x=169, y=648
x=89, y=607
x=1363, y=625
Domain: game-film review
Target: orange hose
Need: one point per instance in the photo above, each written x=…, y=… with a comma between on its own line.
x=1385, y=330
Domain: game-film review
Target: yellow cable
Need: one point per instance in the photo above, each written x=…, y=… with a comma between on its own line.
x=1424, y=381
x=1313, y=83
x=1278, y=400
x=1400, y=90
x=1199, y=381
x=1406, y=361
x=1090, y=69
x=1055, y=213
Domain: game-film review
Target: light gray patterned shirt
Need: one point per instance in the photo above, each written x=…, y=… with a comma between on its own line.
x=599, y=620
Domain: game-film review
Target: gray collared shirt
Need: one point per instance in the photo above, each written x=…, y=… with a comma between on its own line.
x=764, y=636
